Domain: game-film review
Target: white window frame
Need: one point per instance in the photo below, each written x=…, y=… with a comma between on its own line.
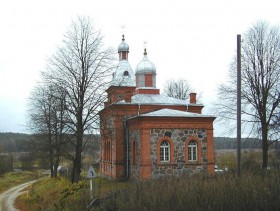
x=164, y=151
x=192, y=151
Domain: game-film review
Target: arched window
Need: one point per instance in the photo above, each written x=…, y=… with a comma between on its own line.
x=134, y=152
x=105, y=151
x=164, y=151
x=192, y=151
x=125, y=73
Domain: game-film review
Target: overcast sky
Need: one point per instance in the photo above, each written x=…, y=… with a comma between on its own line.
x=193, y=40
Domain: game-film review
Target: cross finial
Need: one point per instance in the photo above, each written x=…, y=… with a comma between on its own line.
x=123, y=30
x=145, y=50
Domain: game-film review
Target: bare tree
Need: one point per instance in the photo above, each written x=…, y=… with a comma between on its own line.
x=275, y=135
x=260, y=83
x=177, y=88
x=47, y=120
x=81, y=67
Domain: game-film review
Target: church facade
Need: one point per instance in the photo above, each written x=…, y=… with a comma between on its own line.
x=145, y=134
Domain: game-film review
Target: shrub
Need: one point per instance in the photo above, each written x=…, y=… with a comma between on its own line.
x=221, y=192
x=6, y=164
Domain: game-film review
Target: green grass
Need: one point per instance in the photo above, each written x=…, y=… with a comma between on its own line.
x=12, y=179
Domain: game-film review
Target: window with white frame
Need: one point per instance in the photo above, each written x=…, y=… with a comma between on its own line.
x=164, y=151
x=192, y=151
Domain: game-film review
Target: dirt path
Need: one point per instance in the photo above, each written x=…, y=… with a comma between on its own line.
x=8, y=197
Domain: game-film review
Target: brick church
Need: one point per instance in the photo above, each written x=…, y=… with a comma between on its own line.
x=145, y=134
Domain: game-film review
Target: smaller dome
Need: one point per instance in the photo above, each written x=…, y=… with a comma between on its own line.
x=123, y=46
x=145, y=66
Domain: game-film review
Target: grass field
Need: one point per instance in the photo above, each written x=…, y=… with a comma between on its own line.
x=60, y=194
x=251, y=191
x=250, y=159
x=254, y=190
x=14, y=178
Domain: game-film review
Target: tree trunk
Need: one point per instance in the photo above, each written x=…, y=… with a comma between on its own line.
x=56, y=164
x=78, y=155
x=55, y=170
x=77, y=166
x=51, y=162
x=264, y=147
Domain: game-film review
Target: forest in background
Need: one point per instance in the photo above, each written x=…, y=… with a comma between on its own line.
x=20, y=142
x=18, y=151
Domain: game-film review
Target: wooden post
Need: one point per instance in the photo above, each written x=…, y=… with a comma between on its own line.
x=238, y=104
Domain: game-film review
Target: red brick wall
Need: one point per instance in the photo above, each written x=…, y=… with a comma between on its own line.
x=147, y=91
x=148, y=80
x=145, y=163
x=116, y=167
x=145, y=125
x=124, y=55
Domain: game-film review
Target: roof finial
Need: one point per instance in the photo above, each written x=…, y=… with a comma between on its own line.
x=145, y=52
x=123, y=30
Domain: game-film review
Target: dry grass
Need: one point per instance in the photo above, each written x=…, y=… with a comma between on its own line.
x=42, y=194
x=250, y=159
x=12, y=179
x=252, y=191
x=60, y=194
x=222, y=192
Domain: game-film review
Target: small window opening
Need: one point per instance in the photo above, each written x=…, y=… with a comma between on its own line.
x=125, y=73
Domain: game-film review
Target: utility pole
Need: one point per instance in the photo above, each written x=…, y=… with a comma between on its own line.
x=238, y=104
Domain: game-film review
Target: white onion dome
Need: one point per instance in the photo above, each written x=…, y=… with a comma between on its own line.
x=145, y=66
x=123, y=46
